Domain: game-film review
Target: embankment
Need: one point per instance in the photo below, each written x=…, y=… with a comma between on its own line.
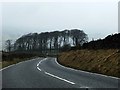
x=97, y=61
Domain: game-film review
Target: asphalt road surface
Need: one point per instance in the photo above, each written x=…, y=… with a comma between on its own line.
x=47, y=73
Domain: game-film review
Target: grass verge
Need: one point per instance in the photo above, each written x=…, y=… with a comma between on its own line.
x=13, y=58
x=0, y=65
x=98, y=61
x=16, y=60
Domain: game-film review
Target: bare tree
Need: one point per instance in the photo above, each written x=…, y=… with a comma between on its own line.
x=79, y=37
x=8, y=44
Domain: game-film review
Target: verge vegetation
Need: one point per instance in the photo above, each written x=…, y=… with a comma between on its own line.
x=100, y=56
x=14, y=57
x=97, y=61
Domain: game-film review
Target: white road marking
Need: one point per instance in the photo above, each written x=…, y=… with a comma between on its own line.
x=84, y=87
x=7, y=67
x=52, y=74
x=85, y=71
x=41, y=61
x=38, y=68
x=59, y=78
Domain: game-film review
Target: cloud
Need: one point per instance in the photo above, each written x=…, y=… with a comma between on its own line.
x=96, y=19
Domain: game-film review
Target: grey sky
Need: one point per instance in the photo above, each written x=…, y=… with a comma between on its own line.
x=96, y=19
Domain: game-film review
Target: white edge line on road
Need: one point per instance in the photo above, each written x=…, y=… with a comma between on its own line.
x=17, y=64
x=7, y=67
x=59, y=78
x=84, y=71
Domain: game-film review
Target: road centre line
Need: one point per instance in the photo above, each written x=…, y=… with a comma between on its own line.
x=38, y=68
x=41, y=61
x=59, y=78
x=52, y=74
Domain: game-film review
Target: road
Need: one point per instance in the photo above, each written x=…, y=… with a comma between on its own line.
x=47, y=73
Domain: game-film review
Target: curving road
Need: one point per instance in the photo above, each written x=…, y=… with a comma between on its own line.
x=47, y=73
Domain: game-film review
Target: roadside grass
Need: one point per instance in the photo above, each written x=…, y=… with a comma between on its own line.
x=7, y=59
x=0, y=65
x=14, y=61
x=97, y=61
x=13, y=58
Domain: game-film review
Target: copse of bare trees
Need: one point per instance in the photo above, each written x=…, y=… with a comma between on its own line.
x=56, y=41
x=8, y=45
x=50, y=42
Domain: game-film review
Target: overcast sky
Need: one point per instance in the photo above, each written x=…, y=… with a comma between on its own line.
x=97, y=19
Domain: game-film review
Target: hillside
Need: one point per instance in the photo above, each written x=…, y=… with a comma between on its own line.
x=95, y=56
x=98, y=61
x=109, y=42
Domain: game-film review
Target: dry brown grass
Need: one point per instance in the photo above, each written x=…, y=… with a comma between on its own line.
x=98, y=61
x=0, y=65
x=8, y=62
x=13, y=57
x=16, y=60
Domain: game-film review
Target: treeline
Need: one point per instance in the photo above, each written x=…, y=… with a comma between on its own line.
x=11, y=56
x=110, y=42
x=48, y=42
x=56, y=41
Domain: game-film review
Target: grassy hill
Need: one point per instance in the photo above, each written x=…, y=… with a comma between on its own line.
x=99, y=61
